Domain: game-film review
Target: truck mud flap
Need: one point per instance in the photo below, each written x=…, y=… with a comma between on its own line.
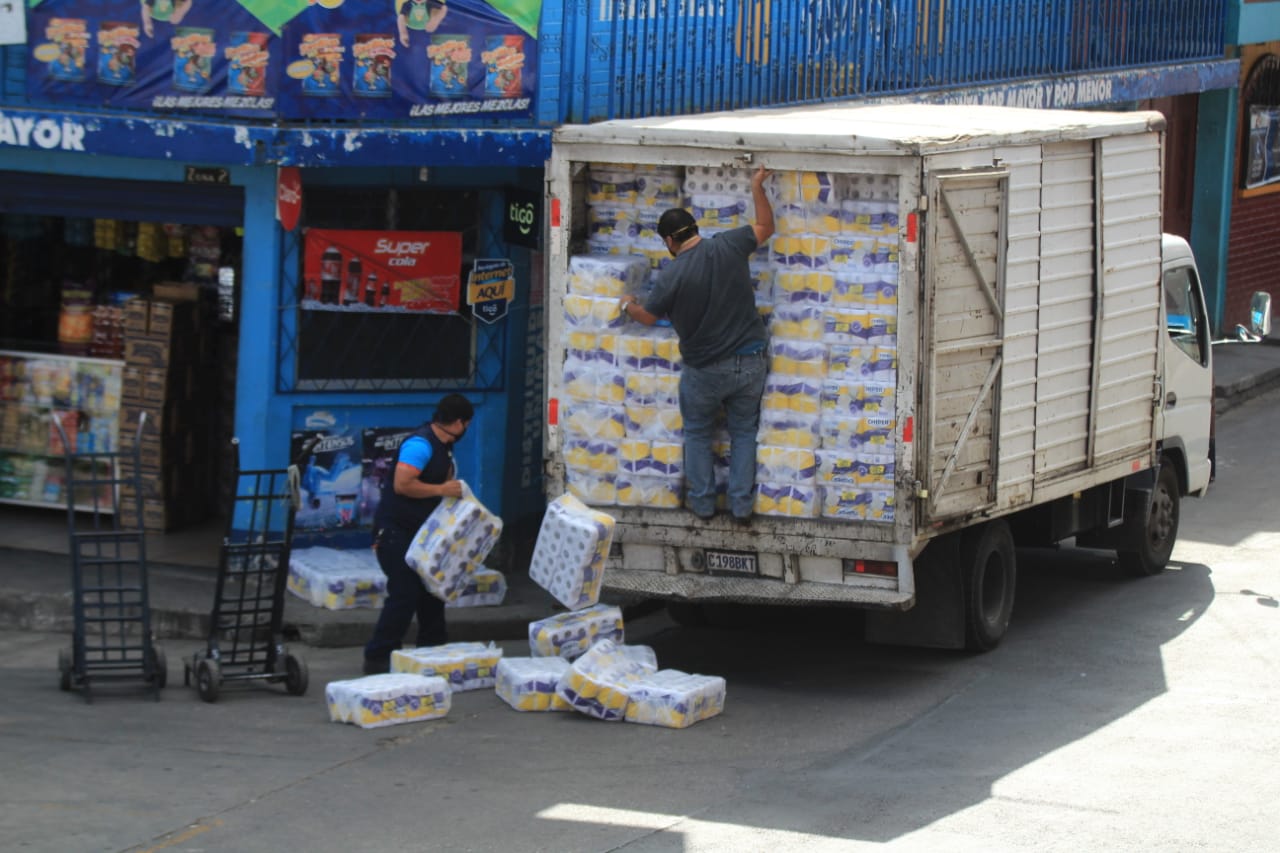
x=937, y=619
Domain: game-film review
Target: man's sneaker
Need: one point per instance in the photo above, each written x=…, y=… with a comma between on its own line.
x=376, y=667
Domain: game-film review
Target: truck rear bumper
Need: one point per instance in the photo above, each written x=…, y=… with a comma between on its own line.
x=695, y=587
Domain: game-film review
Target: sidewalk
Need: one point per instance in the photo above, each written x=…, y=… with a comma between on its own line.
x=35, y=568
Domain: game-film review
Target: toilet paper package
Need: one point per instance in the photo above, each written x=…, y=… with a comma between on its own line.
x=785, y=464
x=675, y=699
x=649, y=491
x=607, y=276
x=593, y=488
x=387, y=700
x=569, y=635
x=599, y=682
x=485, y=588
x=785, y=428
x=568, y=559
x=464, y=666
x=787, y=499
x=336, y=580
x=529, y=684
x=452, y=543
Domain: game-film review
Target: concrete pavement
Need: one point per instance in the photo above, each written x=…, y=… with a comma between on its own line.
x=35, y=585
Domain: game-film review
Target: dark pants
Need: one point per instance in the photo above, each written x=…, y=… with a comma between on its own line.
x=406, y=597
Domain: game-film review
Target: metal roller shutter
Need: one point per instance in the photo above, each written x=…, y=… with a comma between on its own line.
x=142, y=201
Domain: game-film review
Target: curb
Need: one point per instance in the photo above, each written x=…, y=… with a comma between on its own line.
x=1227, y=397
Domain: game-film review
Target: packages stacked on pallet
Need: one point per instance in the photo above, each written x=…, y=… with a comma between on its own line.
x=465, y=666
x=569, y=635
x=597, y=683
x=387, y=700
x=621, y=390
x=675, y=699
x=485, y=588
x=336, y=580
x=569, y=556
x=529, y=684
x=451, y=544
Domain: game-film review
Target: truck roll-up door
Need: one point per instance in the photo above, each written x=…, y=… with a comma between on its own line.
x=964, y=340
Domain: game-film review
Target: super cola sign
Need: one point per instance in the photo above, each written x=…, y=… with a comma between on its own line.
x=382, y=271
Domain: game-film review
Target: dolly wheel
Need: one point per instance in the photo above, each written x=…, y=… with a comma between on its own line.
x=64, y=669
x=208, y=679
x=295, y=675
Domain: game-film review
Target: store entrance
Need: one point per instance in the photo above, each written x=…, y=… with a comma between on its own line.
x=105, y=319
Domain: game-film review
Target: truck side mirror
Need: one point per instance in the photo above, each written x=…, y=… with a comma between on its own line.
x=1260, y=314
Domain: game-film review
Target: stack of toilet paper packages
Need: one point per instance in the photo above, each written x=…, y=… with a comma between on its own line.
x=452, y=543
x=675, y=699
x=569, y=635
x=463, y=666
x=529, y=684
x=597, y=683
x=485, y=587
x=336, y=580
x=624, y=202
x=387, y=700
x=569, y=556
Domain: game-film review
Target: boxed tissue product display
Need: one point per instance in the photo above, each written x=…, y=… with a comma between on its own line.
x=452, y=543
x=827, y=287
x=598, y=683
x=464, y=666
x=485, y=588
x=675, y=699
x=569, y=635
x=568, y=559
x=336, y=580
x=529, y=684
x=387, y=700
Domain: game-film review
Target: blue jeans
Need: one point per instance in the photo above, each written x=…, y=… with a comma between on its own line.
x=735, y=383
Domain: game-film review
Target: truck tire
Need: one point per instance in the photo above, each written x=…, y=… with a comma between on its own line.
x=990, y=578
x=1154, y=533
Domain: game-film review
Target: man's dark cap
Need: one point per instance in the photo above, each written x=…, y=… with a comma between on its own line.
x=677, y=222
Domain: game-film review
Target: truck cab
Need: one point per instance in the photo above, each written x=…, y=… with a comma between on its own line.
x=1185, y=411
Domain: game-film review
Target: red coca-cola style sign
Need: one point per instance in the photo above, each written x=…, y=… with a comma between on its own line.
x=288, y=196
x=384, y=271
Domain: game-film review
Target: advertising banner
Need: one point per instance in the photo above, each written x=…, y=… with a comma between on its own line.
x=373, y=59
x=490, y=288
x=382, y=271
x=1262, y=165
x=332, y=478
x=381, y=444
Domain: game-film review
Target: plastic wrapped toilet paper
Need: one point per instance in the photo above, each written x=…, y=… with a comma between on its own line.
x=675, y=699
x=599, y=682
x=569, y=635
x=797, y=358
x=649, y=491
x=608, y=183
x=452, y=543
x=336, y=580
x=787, y=499
x=785, y=428
x=589, y=420
x=844, y=502
x=529, y=684
x=785, y=465
x=592, y=488
x=485, y=588
x=797, y=320
x=800, y=285
x=568, y=559
x=387, y=700
x=465, y=666
x=606, y=276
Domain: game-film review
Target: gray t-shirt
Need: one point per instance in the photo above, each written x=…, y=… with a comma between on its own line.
x=707, y=294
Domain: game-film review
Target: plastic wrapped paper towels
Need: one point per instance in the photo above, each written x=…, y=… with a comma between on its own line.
x=465, y=666
x=599, y=682
x=568, y=559
x=452, y=543
x=336, y=580
x=529, y=684
x=569, y=635
x=387, y=700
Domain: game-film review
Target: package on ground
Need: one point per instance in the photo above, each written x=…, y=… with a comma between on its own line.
x=485, y=588
x=569, y=635
x=675, y=699
x=599, y=682
x=337, y=580
x=452, y=543
x=529, y=684
x=465, y=666
x=568, y=559
x=387, y=700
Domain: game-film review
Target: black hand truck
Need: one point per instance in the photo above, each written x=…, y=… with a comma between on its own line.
x=246, y=641
x=111, y=638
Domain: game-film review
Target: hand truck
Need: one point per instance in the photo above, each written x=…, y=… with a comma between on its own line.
x=111, y=638
x=246, y=641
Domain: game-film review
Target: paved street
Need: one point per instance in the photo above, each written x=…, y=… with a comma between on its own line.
x=1118, y=715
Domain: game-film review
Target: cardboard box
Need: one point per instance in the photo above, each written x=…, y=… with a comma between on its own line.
x=144, y=386
x=147, y=350
x=137, y=314
x=175, y=291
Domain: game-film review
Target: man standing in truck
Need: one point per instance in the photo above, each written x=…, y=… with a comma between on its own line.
x=707, y=294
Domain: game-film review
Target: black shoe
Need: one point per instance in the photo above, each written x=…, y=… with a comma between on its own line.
x=376, y=667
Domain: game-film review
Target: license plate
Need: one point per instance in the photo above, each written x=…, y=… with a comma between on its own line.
x=731, y=562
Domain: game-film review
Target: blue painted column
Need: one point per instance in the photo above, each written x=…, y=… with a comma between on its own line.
x=259, y=411
x=1211, y=210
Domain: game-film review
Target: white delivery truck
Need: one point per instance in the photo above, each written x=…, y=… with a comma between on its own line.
x=979, y=338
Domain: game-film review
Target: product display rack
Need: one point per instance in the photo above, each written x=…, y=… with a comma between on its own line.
x=84, y=394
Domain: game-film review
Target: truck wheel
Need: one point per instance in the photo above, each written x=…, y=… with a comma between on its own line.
x=990, y=575
x=1155, y=534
